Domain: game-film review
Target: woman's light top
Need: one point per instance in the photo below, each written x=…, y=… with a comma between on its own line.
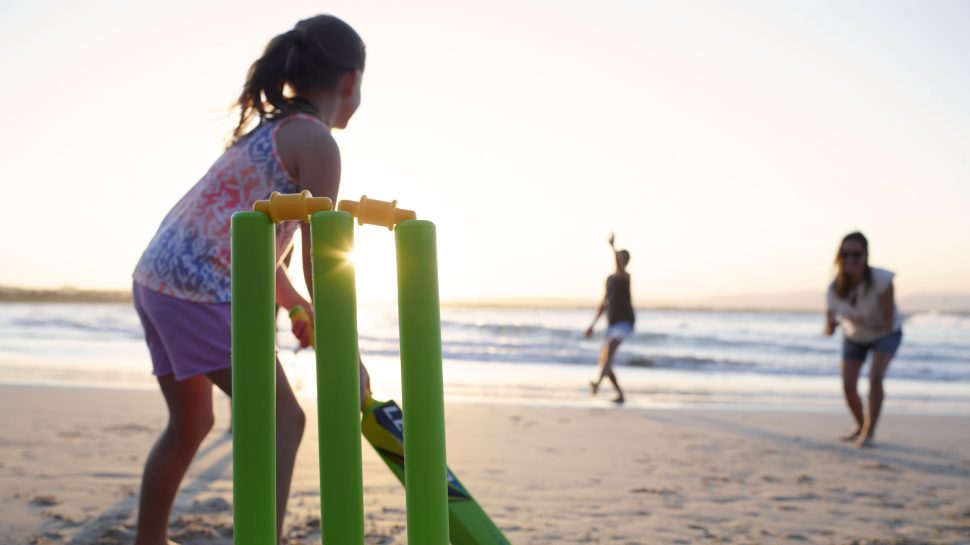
x=860, y=313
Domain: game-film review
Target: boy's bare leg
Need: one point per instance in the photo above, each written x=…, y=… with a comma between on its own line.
x=606, y=368
x=601, y=364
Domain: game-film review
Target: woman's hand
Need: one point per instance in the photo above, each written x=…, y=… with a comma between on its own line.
x=830, y=324
x=589, y=332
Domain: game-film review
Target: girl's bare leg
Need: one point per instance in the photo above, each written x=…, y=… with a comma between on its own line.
x=190, y=419
x=290, y=422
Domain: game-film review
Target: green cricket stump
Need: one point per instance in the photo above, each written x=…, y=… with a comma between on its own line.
x=338, y=379
x=253, y=379
x=425, y=470
x=338, y=389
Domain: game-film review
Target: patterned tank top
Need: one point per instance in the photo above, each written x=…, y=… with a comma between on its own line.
x=189, y=256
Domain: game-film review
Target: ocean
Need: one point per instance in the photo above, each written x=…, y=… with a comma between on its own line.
x=749, y=360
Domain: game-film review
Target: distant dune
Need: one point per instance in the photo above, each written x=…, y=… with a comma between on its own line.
x=811, y=301
x=802, y=301
x=62, y=295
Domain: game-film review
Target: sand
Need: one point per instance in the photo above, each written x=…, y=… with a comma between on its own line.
x=71, y=459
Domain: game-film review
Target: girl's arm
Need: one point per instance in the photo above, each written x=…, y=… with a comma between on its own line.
x=287, y=297
x=319, y=166
x=311, y=157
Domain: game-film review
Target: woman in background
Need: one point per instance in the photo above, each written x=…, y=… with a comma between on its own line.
x=861, y=299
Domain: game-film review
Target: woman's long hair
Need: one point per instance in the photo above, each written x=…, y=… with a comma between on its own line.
x=842, y=284
x=315, y=54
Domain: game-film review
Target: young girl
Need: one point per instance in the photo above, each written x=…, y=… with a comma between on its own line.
x=306, y=83
x=861, y=298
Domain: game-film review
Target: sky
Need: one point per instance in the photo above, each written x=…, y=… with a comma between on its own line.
x=728, y=145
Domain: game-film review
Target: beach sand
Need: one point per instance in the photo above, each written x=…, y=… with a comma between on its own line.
x=71, y=459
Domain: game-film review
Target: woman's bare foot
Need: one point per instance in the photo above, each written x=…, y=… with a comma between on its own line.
x=866, y=442
x=619, y=400
x=594, y=387
x=852, y=436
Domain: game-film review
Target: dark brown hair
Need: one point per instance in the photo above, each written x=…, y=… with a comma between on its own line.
x=315, y=54
x=841, y=282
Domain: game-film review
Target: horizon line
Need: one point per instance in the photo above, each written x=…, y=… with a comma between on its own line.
x=731, y=303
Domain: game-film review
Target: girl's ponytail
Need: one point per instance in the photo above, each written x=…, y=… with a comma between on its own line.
x=316, y=53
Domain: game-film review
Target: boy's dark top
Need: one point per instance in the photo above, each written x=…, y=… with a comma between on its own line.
x=619, y=305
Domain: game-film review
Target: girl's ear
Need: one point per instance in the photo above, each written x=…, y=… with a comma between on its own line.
x=347, y=85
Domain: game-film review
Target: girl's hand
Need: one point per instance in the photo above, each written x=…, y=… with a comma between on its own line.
x=301, y=324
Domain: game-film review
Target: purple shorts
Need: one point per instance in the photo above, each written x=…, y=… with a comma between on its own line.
x=183, y=337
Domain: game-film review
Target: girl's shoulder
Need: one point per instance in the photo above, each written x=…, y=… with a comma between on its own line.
x=301, y=132
x=309, y=153
x=301, y=120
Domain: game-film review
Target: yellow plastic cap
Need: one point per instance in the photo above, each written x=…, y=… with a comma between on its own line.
x=293, y=206
x=375, y=212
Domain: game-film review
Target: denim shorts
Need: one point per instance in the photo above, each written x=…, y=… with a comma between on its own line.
x=619, y=331
x=887, y=344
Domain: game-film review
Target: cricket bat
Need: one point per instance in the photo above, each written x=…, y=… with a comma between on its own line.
x=468, y=524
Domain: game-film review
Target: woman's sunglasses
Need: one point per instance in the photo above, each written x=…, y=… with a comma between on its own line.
x=851, y=254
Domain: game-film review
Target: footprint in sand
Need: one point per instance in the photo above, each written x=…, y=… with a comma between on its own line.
x=211, y=505
x=185, y=528
x=130, y=428
x=116, y=535
x=44, y=501
x=65, y=520
x=878, y=467
x=802, y=497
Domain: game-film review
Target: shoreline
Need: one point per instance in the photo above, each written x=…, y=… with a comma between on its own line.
x=566, y=386
x=72, y=457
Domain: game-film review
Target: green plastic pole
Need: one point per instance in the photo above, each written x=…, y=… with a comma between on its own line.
x=253, y=379
x=426, y=485
x=338, y=381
